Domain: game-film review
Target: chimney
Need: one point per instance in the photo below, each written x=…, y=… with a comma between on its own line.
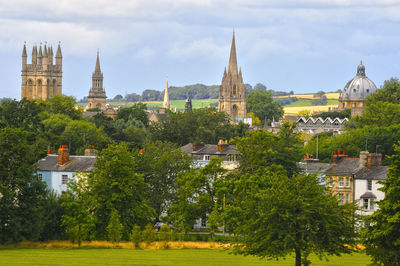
x=49, y=150
x=90, y=151
x=374, y=159
x=364, y=158
x=222, y=145
x=63, y=154
x=197, y=146
x=338, y=155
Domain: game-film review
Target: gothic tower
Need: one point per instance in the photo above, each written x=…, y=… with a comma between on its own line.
x=42, y=79
x=166, y=104
x=188, y=104
x=97, y=94
x=232, y=92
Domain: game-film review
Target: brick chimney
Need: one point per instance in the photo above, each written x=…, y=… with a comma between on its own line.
x=338, y=155
x=63, y=154
x=90, y=151
x=374, y=159
x=197, y=146
x=49, y=150
x=363, y=158
x=222, y=145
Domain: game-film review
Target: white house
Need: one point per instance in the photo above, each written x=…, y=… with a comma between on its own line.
x=57, y=169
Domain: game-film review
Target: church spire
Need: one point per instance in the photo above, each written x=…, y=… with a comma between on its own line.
x=166, y=97
x=232, y=67
x=97, y=68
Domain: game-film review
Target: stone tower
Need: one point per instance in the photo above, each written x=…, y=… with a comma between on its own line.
x=232, y=92
x=188, y=104
x=97, y=94
x=42, y=79
x=166, y=104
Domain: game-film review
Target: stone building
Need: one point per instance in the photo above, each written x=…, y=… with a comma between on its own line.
x=317, y=125
x=232, y=92
x=97, y=94
x=188, y=104
x=356, y=90
x=41, y=80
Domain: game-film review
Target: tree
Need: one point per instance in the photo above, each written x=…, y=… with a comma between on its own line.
x=136, y=112
x=149, y=234
x=276, y=215
x=22, y=192
x=160, y=163
x=261, y=148
x=136, y=235
x=261, y=103
x=60, y=104
x=260, y=87
x=319, y=99
x=382, y=237
x=52, y=213
x=114, y=228
x=78, y=206
x=115, y=185
x=389, y=92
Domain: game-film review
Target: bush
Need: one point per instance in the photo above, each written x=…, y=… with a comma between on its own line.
x=136, y=235
x=165, y=233
x=149, y=234
x=114, y=228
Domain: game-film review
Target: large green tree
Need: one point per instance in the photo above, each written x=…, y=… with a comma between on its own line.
x=275, y=215
x=21, y=191
x=261, y=103
x=382, y=237
x=114, y=184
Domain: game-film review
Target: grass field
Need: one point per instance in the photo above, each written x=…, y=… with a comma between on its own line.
x=67, y=256
x=330, y=95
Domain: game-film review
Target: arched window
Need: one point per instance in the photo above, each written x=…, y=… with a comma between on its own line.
x=54, y=87
x=48, y=90
x=29, y=92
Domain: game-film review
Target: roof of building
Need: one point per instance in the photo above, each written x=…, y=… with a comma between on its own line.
x=345, y=167
x=314, y=166
x=374, y=173
x=210, y=149
x=368, y=195
x=360, y=86
x=75, y=163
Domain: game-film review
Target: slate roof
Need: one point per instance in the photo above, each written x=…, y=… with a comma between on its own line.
x=210, y=149
x=345, y=167
x=314, y=167
x=75, y=163
x=375, y=173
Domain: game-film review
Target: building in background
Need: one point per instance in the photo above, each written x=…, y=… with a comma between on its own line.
x=232, y=92
x=97, y=94
x=356, y=91
x=166, y=103
x=41, y=80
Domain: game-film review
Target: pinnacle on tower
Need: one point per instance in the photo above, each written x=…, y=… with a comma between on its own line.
x=34, y=55
x=24, y=51
x=97, y=69
x=232, y=67
x=166, y=96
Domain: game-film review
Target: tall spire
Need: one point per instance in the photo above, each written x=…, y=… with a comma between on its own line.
x=232, y=67
x=97, y=69
x=24, y=51
x=166, y=96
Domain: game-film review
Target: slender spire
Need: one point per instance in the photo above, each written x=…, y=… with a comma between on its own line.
x=166, y=96
x=45, y=50
x=58, y=54
x=34, y=55
x=232, y=67
x=24, y=50
x=97, y=69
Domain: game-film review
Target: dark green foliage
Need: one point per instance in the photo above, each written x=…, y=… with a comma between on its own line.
x=288, y=100
x=63, y=105
x=136, y=112
x=196, y=91
x=114, y=228
x=149, y=234
x=160, y=163
x=165, y=233
x=114, y=184
x=259, y=87
x=200, y=125
x=389, y=92
x=342, y=114
x=275, y=215
x=261, y=148
x=263, y=106
x=52, y=213
x=22, y=193
x=382, y=237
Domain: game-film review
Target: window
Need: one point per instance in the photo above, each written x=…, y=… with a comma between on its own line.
x=365, y=204
x=40, y=177
x=347, y=181
x=231, y=157
x=340, y=198
x=369, y=184
x=341, y=182
x=347, y=197
x=206, y=157
x=330, y=181
x=64, y=179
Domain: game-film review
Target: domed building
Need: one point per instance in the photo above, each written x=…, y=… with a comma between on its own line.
x=356, y=90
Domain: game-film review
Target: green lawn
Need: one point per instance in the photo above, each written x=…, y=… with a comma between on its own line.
x=67, y=256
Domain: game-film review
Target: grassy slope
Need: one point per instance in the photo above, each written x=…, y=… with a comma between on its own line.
x=66, y=256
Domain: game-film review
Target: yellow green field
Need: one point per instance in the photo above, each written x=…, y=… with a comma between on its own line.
x=329, y=95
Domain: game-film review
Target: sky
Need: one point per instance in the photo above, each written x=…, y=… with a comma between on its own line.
x=299, y=45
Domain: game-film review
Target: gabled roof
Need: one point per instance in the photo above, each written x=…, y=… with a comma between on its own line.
x=75, y=163
x=374, y=173
x=345, y=167
x=313, y=120
x=314, y=167
x=210, y=149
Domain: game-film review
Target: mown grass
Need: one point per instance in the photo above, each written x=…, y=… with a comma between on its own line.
x=85, y=256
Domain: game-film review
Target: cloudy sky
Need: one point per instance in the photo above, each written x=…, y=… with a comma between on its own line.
x=304, y=46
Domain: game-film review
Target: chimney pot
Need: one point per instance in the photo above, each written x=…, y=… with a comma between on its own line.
x=63, y=154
